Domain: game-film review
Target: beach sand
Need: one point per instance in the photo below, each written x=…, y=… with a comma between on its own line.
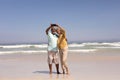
x=83, y=66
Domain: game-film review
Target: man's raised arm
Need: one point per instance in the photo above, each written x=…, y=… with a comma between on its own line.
x=48, y=29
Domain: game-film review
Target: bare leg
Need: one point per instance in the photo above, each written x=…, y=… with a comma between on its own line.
x=65, y=53
x=57, y=68
x=50, y=68
x=61, y=60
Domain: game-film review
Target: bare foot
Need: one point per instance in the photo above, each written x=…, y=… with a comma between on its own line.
x=58, y=73
x=63, y=72
x=50, y=72
x=68, y=73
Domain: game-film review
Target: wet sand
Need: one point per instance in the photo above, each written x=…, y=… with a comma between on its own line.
x=83, y=66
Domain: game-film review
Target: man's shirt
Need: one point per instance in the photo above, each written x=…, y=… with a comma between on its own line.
x=52, y=41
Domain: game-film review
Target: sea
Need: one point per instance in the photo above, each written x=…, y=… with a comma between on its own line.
x=85, y=47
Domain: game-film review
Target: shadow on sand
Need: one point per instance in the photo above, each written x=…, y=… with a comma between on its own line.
x=43, y=72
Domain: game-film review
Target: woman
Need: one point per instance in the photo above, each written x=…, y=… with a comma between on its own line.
x=63, y=48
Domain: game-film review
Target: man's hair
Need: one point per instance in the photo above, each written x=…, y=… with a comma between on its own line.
x=54, y=25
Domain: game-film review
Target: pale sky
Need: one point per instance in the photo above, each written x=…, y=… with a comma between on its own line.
x=24, y=21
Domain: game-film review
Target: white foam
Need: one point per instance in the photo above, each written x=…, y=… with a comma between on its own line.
x=24, y=46
x=44, y=51
x=114, y=44
x=94, y=44
x=76, y=45
x=117, y=44
x=27, y=52
x=83, y=50
x=108, y=47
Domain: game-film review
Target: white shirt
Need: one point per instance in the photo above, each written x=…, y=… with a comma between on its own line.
x=52, y=41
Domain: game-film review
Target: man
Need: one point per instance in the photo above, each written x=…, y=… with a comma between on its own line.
x=63, y=48
x=52, y=48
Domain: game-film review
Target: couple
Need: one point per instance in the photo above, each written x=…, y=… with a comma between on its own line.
x=57, y=42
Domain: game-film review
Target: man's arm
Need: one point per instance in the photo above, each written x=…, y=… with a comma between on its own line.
x=48, y=29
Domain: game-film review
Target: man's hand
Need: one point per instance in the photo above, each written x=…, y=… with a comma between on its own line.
x=48, y=28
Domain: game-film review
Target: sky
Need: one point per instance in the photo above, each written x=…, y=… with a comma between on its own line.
x=25, y=21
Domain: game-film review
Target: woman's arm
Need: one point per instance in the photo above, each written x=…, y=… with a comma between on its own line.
x=62, y=31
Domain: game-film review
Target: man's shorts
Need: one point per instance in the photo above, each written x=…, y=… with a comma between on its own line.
x=53, y=57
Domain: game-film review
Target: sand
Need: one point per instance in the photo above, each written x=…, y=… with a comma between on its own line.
x=83, y=66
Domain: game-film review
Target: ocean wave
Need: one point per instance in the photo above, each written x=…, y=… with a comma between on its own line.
x=30, y=51
x=114, y=44
x=44, y=51
x=24, y=46
x=108, y=47
x=76, y=45
x=81, y=45
x=83, y=50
